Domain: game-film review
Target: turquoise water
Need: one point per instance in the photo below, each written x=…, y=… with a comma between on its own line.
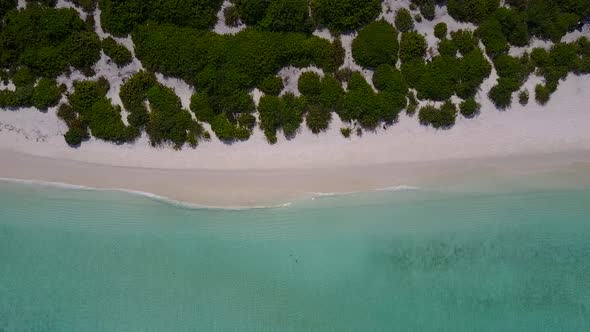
x=75, y=260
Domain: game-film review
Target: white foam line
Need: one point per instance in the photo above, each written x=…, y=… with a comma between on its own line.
x=149, y=195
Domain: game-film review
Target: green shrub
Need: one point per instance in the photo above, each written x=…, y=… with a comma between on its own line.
x=418, y=18
x=346, y=131
x=501, y=93
x=446, y=47
x=76, y=134
x=475, y=11
x=439, y=118
x=403, y=20
x=23, y=77
x=465, y=41
x=120, y=17
x=440, y=30
x=523, y=97
x=542, y=94
x=376, y=44
x=388, y=78
x=168, y=122
x=201, y=106
x=514, y=26
x=310, y=85
x=134, y=94
x=67, y=114
x=412, y=46
x=231, y=16
x=286, y=15
x=284, y=113
x=46, y=94
x=87, y=5
x=318, y=119
x=413, y=71
x=427, y=9
x=272, y=85
x=493, y=38
x=117, y=52
x=469, y=108
x=345, y=15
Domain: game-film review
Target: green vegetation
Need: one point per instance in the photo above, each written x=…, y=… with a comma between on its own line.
x=362, y=104
x=469, y=108
x=87, y=5
x=94, y=111
x=117, y=52
x=284, y=113
x=439, y=118
x=120, y=17
x=276, y=15
x=440, y=30
x=173, y=37
x=47, y=41
x=346, y=131
x=376, y=44
x=523, y=97
x=512, y=73
x=272, y=85
x=475, y=11
x=166, y=122
x=323, y=96
x=412, y=46
x=542, y=94
x=403, y=20
x=46, y=94
x=344, y=15
x=231, y=15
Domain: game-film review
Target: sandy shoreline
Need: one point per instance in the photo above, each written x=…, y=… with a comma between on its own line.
x=250, y=188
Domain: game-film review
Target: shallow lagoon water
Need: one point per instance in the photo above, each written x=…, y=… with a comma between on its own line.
x=416, y=260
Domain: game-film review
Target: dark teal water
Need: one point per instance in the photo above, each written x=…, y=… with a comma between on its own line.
x=74, y=260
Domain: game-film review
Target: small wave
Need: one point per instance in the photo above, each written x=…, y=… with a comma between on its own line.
x=144, y=194
x=398, y=188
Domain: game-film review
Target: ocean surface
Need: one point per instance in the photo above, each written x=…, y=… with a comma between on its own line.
x=412, y=260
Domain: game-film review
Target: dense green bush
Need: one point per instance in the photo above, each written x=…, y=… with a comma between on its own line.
x=473, y=69
x=376, y=44
x=47, y=41
x=439, y=79
x=440, y=30
x=120, y=17
x=439, y=118
x=388, y=78
x=465, y=41
x=413, y=71
x=493, y=38
x=272, y=85
x=275, y=15
x=168, y=122
x=469, y=108
x=447, y=47
x=427, y=9
x=345, y=15
x=475, y=11
x=362, y=104
x=119, y=53
x=5, y=6
x=310, y=85
x=46, y=94
x=284, y=113
x=96, y=112
x=403, y=20
x=514, y=26
x=542, y=94
x=226, y=67
x=412, y=46
x=512, y=73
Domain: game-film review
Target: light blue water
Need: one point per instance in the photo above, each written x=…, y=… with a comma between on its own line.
x=74, y=260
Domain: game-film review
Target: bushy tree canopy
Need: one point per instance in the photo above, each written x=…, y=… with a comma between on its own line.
x=345, y=15
x=376, y=44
